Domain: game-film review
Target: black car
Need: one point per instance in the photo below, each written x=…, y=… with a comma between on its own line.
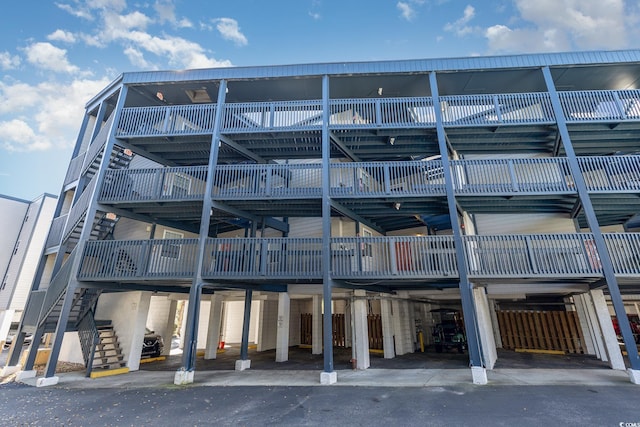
x=152, y=345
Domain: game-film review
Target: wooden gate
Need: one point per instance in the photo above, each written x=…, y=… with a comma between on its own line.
x=374, y=322
x=306, y=329
x=541, y=330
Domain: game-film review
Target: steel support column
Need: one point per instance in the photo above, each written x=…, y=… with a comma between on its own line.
x=195, y=293
x=327, y=281
x=246, y=324
x=466, y=289
x=592, y=221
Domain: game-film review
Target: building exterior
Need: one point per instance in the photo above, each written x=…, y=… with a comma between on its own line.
x=24, y=228
x=317, y=204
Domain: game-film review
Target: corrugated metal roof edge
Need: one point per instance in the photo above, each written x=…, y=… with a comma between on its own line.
x=374, y=67
x=407, y=66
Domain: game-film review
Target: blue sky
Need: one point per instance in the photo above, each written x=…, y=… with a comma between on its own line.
x=54, y=56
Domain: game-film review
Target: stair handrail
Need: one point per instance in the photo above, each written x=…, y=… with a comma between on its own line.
x=57, y=287
x=89, y=338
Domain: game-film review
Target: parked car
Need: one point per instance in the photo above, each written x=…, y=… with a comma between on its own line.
x=153, y=344
x=7, y=343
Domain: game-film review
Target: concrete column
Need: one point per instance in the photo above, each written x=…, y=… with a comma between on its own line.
x=485, y=327
x=167, y=334
x=139, y=320
x=585, y=325
x=494, y=320
x=213, y=331
x=606, y=327
x=6, y=316
x=361, y=336
x=316, y=319
x=282, y=333
x=387, y=329
x=398, y=331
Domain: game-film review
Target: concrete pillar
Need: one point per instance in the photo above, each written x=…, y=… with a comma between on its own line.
x=167, y=333
x=494, y=320
x=282, y=333
x=398, y=331
x=213, y=331
x=316, y=330
x=361, y=336
x=585, y=325
x=387, y=329
x=401, y=327
x=139, y=320
x=6, y=316
x=485, y=327
x=606, y=327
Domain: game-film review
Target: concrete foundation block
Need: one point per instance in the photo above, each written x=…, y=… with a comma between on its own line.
x=9, y=370
x=241, y=365
x=328, y=378
x=23, y=375
x=46, y=382
x=634, y=376
x=479, y=375
x=183, y=377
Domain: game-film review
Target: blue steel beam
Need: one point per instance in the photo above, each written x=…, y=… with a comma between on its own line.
x=327, y=281
x=592, y=221
x=466, y=289
x=191, y=333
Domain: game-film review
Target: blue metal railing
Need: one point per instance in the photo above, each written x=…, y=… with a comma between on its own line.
x=281, y=115
x=267, y=180
x=600, y=105
x=611, y=173
x=159, y=259
x=178, y=183
x=549, y=256
x=166, y=121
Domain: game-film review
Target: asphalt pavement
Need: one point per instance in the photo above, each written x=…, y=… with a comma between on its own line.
x=584, y=392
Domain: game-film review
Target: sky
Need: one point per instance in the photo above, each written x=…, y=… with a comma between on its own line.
x=56, y=55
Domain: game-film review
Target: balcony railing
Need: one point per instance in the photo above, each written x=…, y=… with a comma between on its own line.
x=284, y=258
x=263, y=116
x=407, y=112
x=528, y=256
x=543, y=175
x=79, y=209
x=387, y=178
x=270, y=180
x=166, y=121
x=131, y=259
x=611, y=173
x=532, y=255
x=393, y=257
x=600, y=105
x=478, y=110
x=178, y=183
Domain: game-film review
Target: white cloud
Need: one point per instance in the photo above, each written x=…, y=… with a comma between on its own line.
x=406, y=11
x=460, y=27
x=315, y=15
x=229, y=29
x=62, y=36
x=79, y=10
x=166, y=13
x=48, y=57
x=553, y=25
x=33, y=118
x=137, y=58
x=8, y=61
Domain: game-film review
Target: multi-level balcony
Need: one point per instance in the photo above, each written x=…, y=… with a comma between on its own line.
x=427, y=259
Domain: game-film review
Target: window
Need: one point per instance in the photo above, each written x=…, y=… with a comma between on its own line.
x=4, y=282
x=367, y=249
x=177, y=185
x=170, y=250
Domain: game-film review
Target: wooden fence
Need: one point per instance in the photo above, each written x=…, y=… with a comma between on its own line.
x=375, y=331
x=338, y=325
x=541, y=330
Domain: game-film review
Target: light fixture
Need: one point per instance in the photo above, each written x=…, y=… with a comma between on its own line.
x=396, y=206
x=392, y=140
x=160, y=96
x=380, y=91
